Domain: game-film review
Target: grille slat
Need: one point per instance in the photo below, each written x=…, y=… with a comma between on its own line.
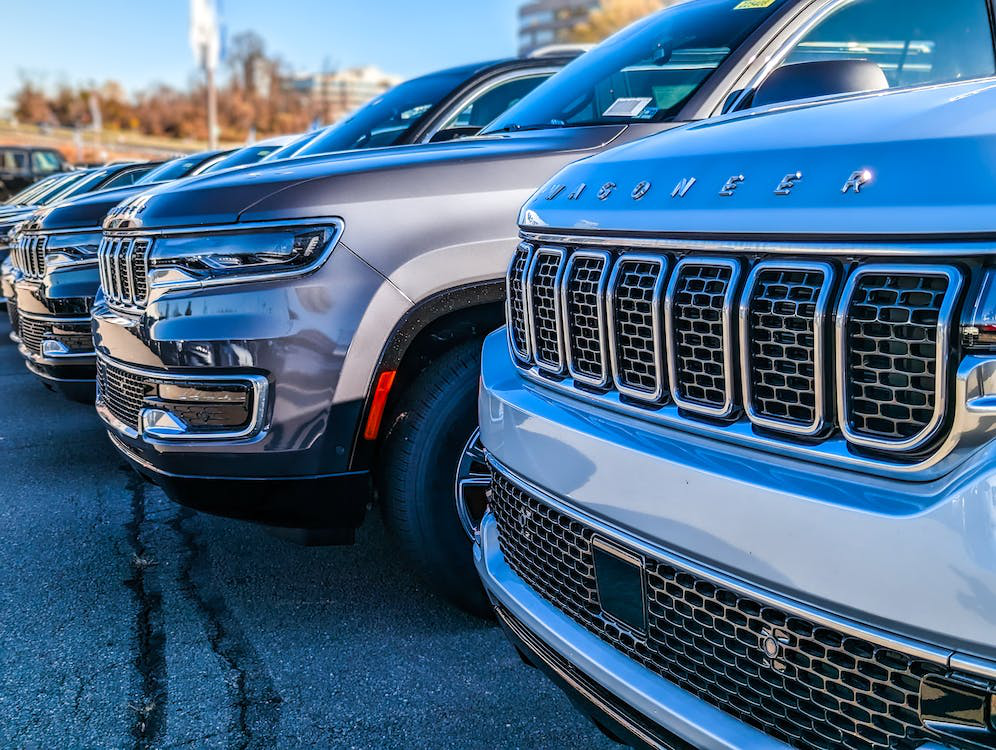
x=585, y=279
x=543, y=296
x=28, y=256
x=601, y=323
x=32, y=333
x=123, y=265
x=783, y=344
x=892, y=346
x=635, y=296
x=815, y=688
x=700, y=334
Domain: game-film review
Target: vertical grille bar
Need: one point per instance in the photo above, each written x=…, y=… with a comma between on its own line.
x=783, y=345
x=139, y=265
x=636, y=326
x=700, y=330
x=585, y=281
x=123, y=264
x=542, y=295
x=515, y=302
x=893, y=335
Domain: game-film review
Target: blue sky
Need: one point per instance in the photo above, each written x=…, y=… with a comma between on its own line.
x=138, y=42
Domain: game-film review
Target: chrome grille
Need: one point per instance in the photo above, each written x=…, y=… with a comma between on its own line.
x=824, y=689
x=700, y=332
x=121, y=392
x=585, y=279
x=29, y=255
x=893, y=345
x=783, y=345
x=760, y=352
x=636, y=323
x=32, y=333
x=123, y=263
x=515, y=308
x=542, y=294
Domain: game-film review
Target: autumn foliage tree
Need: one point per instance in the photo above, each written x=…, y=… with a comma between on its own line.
x=611, y=15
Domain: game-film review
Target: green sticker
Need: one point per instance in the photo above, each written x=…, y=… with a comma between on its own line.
x=749, y=4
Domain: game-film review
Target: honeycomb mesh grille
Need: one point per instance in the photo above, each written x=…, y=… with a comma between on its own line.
x=823, y=690
x=121, y=392
x=891, y=349
x=584, y=316
x=518, y=331
x=699, y=297
x=32, y=333
x=544, y=303
x=782, y=311
x=637, y=352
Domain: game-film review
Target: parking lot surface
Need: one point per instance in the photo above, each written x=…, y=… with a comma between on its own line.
x=127, y=621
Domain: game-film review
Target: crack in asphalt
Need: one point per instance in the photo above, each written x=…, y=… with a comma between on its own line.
x=150, y=635
x=256, y=703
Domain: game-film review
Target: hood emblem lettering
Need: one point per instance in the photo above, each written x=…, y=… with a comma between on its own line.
x=554, y=191
x=731, y=185
x=606, y=190
x=578, y=192
x=682, y=188
x=641, y=189
x=856, y=181
x=788, y=182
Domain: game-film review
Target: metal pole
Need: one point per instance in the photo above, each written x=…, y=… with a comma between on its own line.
x=212, y=104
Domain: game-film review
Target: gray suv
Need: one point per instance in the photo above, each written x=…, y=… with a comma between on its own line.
x=281, y=344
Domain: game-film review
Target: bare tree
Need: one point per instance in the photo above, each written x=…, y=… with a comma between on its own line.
x=611, y=15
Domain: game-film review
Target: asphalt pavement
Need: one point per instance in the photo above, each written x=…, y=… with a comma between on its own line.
x=129, y=622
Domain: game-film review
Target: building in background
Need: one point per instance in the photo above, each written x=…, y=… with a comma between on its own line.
x=543, y=22
x=336, y=94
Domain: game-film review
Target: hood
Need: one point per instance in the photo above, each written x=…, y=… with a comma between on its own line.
x=910, y=163
x=83, y=212
x=10, y=219
x=312, y=186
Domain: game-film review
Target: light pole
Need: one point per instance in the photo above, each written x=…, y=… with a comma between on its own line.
x=205, y=41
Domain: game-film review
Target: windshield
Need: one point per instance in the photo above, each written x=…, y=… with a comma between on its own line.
x=56, y=190
x=25, y=196
x=646, y=72
x=173, y=170
x=387, y=119
x=293, y=147
x=242, y=157
x=77, y=187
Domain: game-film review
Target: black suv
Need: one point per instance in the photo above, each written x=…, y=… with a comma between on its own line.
x=22, y=165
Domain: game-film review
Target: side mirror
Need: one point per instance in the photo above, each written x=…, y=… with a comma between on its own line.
x=820, y=78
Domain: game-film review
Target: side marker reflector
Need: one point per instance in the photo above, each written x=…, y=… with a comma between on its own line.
x=381, y=392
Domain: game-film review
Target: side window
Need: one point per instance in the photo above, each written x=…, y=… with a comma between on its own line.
x=44, y=162
x=489, y=103
x=914, y=42
x=15, y=161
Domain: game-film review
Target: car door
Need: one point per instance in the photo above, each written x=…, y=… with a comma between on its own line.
x=914, y=42
x=483, y=103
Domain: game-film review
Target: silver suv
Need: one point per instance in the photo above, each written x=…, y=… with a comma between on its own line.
x=741, y=428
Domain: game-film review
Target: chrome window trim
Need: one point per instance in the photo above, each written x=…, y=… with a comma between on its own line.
x=729, y=336
x=524, y=357
x=639, y=545
x=921, y=248
x=603, y=283
x=480, y=90
x=558, y=319
x=657, y=322
x=945, y=320
x=819, y=346
x=257, y=385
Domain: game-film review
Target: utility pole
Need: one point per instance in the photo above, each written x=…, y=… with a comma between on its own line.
x=205, y=41
x=212, y=106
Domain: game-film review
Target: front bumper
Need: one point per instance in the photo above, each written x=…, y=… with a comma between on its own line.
x=290, y=339
x=850, y=546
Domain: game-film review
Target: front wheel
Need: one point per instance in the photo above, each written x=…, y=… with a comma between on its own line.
x=434, y=478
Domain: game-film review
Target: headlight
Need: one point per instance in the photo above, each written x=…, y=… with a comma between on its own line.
x=66, y=248
x=203, y=259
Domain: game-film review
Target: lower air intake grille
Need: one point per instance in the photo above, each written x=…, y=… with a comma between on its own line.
x=33, y=333
x=121, y=392
x=822, y=690
x=12, y=314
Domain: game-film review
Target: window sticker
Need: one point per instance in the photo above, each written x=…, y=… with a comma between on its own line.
x=751, y=4
x=627, y=106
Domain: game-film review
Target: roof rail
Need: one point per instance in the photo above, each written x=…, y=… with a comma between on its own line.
x=560, y=50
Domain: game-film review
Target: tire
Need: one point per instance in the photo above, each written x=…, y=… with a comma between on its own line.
x=433, y=422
